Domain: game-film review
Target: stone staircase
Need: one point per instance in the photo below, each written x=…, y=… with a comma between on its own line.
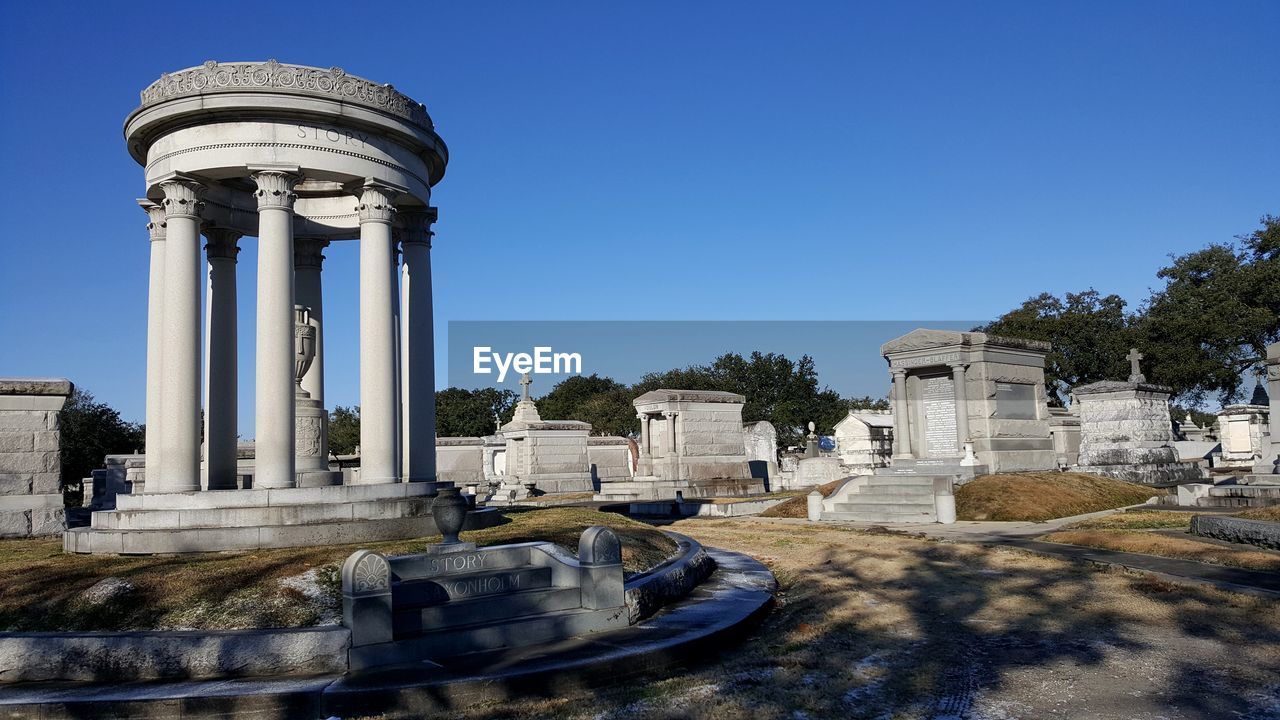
x=455, y=600
x=884, y=499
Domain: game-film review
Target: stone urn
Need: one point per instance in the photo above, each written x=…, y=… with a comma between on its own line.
x=304, y=346
x=450, y=512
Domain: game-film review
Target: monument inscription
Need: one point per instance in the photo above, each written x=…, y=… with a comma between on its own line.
x=938, y=400
x=1015, y=401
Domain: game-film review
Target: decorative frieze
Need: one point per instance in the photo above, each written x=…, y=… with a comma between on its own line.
x=213, y=77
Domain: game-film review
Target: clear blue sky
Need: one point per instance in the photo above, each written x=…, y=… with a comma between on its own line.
x=674, y=160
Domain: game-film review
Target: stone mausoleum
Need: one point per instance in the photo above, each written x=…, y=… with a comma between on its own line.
x=296, y=157
x=691, y=442
x=955, y=388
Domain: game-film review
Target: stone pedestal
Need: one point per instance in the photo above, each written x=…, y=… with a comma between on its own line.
x=30, y=466
x=1126, y=433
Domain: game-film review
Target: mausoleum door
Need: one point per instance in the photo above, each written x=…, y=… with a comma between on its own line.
x=937, y=416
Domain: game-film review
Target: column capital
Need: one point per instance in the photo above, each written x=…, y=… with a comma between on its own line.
x=958, y=366
x=221, y=243
x=155, y=218
x=275, y=187
x=668, y=414
x=375, y=202
x=415, y=226
x=308, y=252
x=897, y=372
x=183, y=197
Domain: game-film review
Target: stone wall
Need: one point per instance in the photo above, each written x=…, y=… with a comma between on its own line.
x=30, y=465
x=610, y=459
x=460, y=460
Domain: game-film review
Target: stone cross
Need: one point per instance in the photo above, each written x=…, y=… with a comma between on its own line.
x=1135, y=370
x=525, y=382
x=497, y=422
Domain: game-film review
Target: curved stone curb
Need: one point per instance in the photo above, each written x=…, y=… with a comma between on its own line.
x=648, y=592
x=725, y=607
x=1238, y=530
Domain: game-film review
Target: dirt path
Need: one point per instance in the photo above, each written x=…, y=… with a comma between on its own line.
x=884, y=626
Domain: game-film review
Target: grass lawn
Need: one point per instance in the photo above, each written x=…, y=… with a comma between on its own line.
x=1136, y=520
x=44, y=589
x=1181, y=548
x=1271, y=514
x=883, y=626
x=1044, y=496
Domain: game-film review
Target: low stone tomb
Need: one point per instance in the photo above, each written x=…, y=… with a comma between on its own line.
x=1126, y=432
x=457, y=598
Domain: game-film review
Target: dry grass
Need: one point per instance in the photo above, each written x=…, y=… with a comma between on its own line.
x=1044, y=496
x=43, y=588
x=1179, y=548
x=559, y=498
x=1136, y=520
x=1271, y=514
x=798, y=506
x=877, y=626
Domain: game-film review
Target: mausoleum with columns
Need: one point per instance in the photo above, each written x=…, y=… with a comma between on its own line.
x=298, y=158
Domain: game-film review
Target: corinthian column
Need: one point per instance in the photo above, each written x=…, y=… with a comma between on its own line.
x=273, y=406
x=418, y=346
x=179, y=466
x=378, y=400
x=155, y=330
x=221, y=377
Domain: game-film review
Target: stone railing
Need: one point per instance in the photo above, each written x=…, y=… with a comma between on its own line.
x=215, y=77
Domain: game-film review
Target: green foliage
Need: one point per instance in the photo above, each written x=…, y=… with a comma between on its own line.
x=1218, y=311
x=866, y=402
x=344, y=430
x=471, y=413
x=601, y=401
x=1089, y=332
x=90, y=431
x=1201, y=334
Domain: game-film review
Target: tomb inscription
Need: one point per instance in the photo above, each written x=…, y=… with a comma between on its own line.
x=938, y=402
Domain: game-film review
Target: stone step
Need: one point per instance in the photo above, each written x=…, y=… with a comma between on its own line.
x=1246, y=491
x=273, y=497
x=517, y=632
x=1240, y=502
x=411, y=622
x=880, y=517
x=147, y=542
x=889, y=506
x=261, y=516
x=909, y=493
x=924, y=481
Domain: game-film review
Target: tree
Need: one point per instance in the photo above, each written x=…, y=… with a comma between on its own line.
x=601, y=401
x=1090, y=334
x=470, y=413
x=90, y=431
x=866, y=402
x=344, y=430
x=1212, y=321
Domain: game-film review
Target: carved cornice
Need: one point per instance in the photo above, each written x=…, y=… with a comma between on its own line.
x=275, y=189
x=221, y=243
x=183, y=197
x=375, y=204
x=335, y=83
x=155, y=219
x=416, y=226
x=308, y=252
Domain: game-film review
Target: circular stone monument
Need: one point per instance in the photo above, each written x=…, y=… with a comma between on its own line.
x=297, y=157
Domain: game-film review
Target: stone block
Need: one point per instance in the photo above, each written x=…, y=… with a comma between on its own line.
x=1238, y=530
x=17, y=441
x=46, y=483
x=15, y=523
x=48, y=521
x=15, y=483
x=47, y=441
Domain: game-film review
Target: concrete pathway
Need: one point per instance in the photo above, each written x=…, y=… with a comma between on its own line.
x=1022, y=535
